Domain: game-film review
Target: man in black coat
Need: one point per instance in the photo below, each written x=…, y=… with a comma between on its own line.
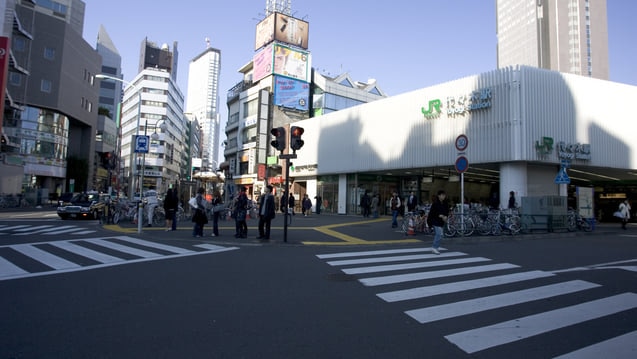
x=266, y=213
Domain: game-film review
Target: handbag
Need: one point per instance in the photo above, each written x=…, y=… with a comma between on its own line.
x=218, y=208
x=193, y=202
x=618, y=214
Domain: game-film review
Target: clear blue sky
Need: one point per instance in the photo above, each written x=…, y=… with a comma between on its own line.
x=404, y=44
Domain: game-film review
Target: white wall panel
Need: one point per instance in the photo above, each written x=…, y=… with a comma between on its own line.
x=526, y=105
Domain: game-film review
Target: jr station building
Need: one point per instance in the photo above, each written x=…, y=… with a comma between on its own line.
x=531, y=131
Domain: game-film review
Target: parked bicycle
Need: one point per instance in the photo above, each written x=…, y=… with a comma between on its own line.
x=416, y=220
x=575, y=221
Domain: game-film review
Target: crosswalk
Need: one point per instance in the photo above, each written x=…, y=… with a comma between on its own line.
x=43, y=229
x=404, y=271
x=25, y=260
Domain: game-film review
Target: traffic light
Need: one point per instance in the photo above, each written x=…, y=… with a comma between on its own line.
x=295, y=137
x=279, y=138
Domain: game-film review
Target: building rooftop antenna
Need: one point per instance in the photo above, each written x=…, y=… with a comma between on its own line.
x=281, y=6
x=207, y=40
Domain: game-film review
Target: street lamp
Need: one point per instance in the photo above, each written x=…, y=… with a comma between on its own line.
x=141, y=182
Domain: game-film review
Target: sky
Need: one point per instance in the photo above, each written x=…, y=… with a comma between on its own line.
x=404, y=44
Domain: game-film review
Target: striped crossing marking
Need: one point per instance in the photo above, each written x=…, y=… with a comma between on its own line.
x=48, y=229
x=37, y=252
x=432, y=290
x=409, y=263
x=432, y=314
x=478, y=339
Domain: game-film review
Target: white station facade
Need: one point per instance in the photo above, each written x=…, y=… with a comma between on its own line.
x=523, y=129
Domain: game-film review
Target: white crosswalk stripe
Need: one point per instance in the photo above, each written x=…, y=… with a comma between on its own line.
x=416, y=265
x=104, y=251
x=48, y=229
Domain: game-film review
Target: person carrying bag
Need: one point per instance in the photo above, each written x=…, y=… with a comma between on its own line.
x=199, y=217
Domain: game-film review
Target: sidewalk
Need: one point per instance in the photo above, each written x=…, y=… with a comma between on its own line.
x=333, y=229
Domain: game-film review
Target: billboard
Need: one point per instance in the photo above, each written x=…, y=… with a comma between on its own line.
x=291, y=63
x=265, y=32
x=283, y=28
x=291, y=93
x=262, y=64
x=291, y=30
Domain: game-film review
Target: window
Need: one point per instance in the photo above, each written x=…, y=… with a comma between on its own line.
x=49, y=53
x=15, y=78
x=46, y=86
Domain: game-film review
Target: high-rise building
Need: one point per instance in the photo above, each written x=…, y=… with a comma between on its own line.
x=203, y=102
x=159, y=115
x=568, y=36
x=50, y=116
x=107, y=137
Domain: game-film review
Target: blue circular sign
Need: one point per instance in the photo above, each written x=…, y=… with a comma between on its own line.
x=462, y=164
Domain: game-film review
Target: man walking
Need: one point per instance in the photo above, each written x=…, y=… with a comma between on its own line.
x=266, y=213
x=437, y=218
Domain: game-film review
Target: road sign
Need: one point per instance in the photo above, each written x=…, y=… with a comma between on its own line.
x=141, y=144
x=462, y=163
x=462, y=142
x=562, y=177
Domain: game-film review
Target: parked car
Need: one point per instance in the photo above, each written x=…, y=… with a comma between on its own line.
x=83, y=206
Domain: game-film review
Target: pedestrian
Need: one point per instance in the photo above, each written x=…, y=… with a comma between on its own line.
x=199, y=217
x=291, y=203
x=217, y=202
x=266, y=213
x=151, y=201
x=306, y=205
x=437, y=217
x=624, y=209
x=412, y=202
x=283, y=203
x=512, y=200
x=374, y=205
x=319, y=203
x=395, y=208
x=240, y=213
x=366, y=203
x=171, y=203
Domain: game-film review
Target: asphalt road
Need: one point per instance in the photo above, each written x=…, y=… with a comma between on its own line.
x=341, y=287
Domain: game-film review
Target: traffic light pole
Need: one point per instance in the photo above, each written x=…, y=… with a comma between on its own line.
x=286, y=193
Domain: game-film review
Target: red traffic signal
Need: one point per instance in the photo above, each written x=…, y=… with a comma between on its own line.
x=279, y=138
x=295, y=137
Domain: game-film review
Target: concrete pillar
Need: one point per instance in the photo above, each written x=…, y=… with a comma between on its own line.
x=513, y=177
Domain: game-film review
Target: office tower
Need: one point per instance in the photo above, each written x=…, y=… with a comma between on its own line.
x=563, y=35
x=51, y=115
x=203, y=102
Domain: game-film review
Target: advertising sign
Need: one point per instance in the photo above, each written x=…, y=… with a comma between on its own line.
x=262, y=63
x=291, y=93
x=291, y=30
x=265, y=32
x=291, y=63
x=282, y=28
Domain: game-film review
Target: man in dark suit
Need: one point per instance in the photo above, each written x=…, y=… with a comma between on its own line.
x=412, y=202
x=266, y=213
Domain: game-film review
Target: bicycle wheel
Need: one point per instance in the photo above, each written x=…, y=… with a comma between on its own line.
x=449, y=230
x=514, y=225
x=464, y=227
x=585, y=225
x=159, y=218
x=116, y=217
